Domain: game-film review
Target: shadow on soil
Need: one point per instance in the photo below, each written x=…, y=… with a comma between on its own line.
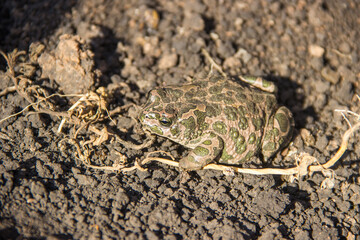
x=23, y=22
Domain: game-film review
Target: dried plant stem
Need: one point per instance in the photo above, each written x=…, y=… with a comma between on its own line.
x=7, y=90
x=213, y=64
x=147, y=143
x=118, y=167
x=275, y=171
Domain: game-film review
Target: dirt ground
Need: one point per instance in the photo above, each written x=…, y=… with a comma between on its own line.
x=310, y=49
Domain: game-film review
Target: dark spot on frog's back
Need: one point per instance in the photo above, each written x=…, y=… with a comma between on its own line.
x=175, y=131
x=195, y=101
x=230, y=93
x=200, y=116
x=217, y=98
x=219, y=127
x=240, y=96
x=201, y=84
x=216, y=89
x=270, y=102
x=252, y=138
x=258, y=98
x=258, y=123
x=241, y=111
x=201, y=93
x=234, y=133
x=190, y=94
x=213, y=110
x=170, y=108
x=230, y=113
x=229, y=100
x=163, y=95
x=186, y=109
x=243, y=124
x=240, y=147
x=216, y=78
x=252, y=107
x=175, y=94
x=189, y=123
x=201, y=151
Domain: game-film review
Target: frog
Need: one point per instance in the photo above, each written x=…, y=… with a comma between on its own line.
x=220, y=119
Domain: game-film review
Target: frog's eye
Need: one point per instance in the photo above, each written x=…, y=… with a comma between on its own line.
x=165, y=121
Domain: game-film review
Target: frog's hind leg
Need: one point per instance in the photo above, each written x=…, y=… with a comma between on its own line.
x=259, y=83
x=278, y=132
x=203, y=153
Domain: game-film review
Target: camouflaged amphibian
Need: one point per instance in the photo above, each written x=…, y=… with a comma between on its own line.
x=219, y=119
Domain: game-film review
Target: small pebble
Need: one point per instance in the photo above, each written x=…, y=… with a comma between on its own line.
x=283, y=69
x=346, y=73
x=320, y=101
x=232, y=62
x=38, y=190
x=333, y=59
x=194, y=21
x=345, y=91
x=321, y=86
x=145, y=85
x=343, y=206
x=238, y=23
x=345, y=48
x=307, y=137
x=244, y=55
x=168, y=60
x=316, y=63
x=330, y=75
x=151, y=18
x=322, y=142
x=316, y=50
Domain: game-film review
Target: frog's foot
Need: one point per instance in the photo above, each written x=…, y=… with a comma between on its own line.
x=190, y=163
x=278, y=133
x=259, y=83
x=203, y=154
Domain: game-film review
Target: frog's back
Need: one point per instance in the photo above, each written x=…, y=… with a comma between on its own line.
x=233, y=110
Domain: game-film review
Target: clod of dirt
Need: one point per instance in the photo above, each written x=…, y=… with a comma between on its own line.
x=193, y=21
x=70, y=65
x=344, y=92
x=274, y=205
x=307, y=137
x=321, y=142
x=168, y=61
x=347, y=74
x=345, y=48
x=330, y=75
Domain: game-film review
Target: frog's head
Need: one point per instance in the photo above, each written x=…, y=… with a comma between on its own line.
x=159, y=115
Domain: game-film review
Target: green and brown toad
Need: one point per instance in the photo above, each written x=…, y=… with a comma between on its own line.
x=220, y=120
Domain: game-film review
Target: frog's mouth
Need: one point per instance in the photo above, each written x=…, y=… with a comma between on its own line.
x=149, y=123
x=141, y=118
x=154, y=129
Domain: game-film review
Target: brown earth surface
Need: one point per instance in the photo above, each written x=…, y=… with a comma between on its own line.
x=310, y=49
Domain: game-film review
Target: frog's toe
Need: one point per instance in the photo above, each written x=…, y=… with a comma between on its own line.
x=189, y=163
